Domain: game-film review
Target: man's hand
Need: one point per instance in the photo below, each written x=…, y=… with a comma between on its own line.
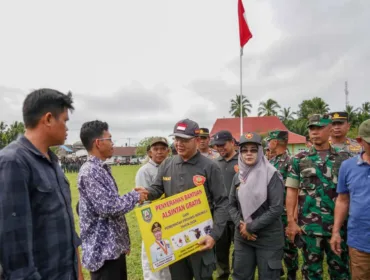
x=143, y=194
x=292, y=230
x=335, y=242
x=208, y=243
x=244, y=233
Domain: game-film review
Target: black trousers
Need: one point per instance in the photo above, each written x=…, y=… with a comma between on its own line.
x=248, y=258
x=198, y=266
x=111, y=270
x=223, y=251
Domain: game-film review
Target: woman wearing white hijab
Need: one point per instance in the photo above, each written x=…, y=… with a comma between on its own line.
x=256, y=204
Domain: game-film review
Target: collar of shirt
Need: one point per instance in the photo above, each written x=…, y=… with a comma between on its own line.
x=29, y=146
x=236, y=156
x=360, y=161
x=153, y=163
x=193, y=160
x=313, y=151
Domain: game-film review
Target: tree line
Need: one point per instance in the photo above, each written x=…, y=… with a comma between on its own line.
x=9, y=133
x=296, y=121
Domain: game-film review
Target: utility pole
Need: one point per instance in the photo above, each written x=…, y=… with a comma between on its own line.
x=346, y=92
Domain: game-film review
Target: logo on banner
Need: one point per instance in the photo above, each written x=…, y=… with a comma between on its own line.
x=199, y=180
x=147, y=215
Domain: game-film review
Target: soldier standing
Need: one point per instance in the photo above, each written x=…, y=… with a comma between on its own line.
x=185, y=171
x=203, y=145
x=278, y=143
x=314, y=174
x=338, y=137
x=228, y=162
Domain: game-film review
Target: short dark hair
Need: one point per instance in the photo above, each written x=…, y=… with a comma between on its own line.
x=91, y=131
x=42, y=101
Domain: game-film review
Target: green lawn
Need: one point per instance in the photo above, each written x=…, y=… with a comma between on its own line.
x=125, y=177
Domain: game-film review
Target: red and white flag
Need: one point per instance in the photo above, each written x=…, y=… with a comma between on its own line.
x=181, y=126
x=244, y=32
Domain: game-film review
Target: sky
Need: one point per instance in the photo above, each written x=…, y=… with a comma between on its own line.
x=143, y=65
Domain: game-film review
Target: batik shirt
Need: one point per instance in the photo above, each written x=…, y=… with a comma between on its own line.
x=104, y=231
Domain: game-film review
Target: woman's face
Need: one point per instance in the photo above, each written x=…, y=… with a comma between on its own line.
x=249, y=153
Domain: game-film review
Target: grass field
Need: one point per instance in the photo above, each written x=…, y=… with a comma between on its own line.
x=125, y=178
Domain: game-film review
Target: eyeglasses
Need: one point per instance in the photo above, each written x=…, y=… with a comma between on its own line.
x=183, y=140
x=252, y=151
x=102, y=139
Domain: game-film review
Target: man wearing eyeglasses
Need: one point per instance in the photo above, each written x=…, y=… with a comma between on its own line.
x=104, y=231
x=228, y=162
x=185, y=171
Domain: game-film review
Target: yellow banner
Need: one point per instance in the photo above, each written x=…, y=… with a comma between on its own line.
x=172, y=227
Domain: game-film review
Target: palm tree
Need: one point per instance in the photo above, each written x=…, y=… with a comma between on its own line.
x=312, y=106
x=297, y=126
x=319, y=106
x=365, y=108
x=268, y=108
x=286, y=114
x=351, y=113
x=236, y=104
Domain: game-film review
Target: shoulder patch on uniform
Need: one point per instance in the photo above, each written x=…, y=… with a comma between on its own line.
x=199, y=180
x=166, y=178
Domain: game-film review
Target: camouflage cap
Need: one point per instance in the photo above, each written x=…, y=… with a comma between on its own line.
x=157, y=140
x=156, y=226
x=319, y=120
x=278, y=135
x=364, y=131
x=250, y=137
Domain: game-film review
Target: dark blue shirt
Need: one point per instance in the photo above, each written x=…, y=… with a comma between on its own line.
x=37, y=233
x=354, y=179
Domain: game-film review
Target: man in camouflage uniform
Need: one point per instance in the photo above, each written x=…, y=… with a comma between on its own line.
x=338, y=135
x=278, y=143
x=203, y=144
x=314, y=173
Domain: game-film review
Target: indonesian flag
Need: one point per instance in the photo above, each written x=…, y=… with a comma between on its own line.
x=244, y=31
x=181, y=126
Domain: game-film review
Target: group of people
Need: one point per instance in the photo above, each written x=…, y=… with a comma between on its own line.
x=71, y=165
x=268, y=207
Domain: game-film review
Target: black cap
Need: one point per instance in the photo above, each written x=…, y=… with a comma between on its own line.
x=204, y=132
x=156, y=225
x=250, y=137
x=186, y=129
x=221, y=137
x=339, y=116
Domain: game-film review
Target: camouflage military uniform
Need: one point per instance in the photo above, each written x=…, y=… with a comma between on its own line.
x=351, y=146
x=282, y=163
x=317, y=180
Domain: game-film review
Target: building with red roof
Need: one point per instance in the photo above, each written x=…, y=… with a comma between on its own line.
x=261, y=125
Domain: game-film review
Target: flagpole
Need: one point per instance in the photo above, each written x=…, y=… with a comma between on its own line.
x=241, y=93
